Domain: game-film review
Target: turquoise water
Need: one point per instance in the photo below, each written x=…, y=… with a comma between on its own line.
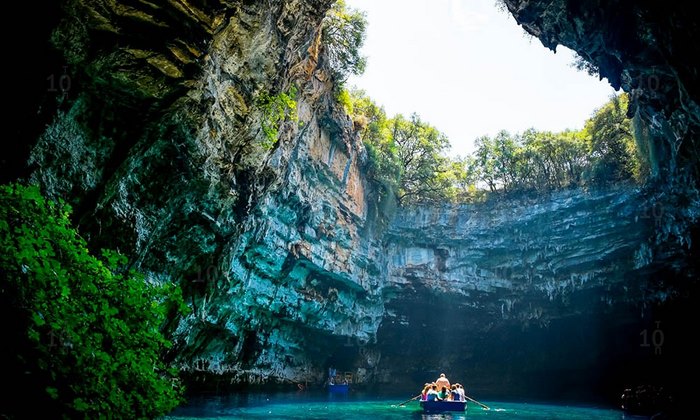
x=311, y=407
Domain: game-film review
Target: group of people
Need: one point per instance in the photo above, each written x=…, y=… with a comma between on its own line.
x=332, y=378
x=441, y=390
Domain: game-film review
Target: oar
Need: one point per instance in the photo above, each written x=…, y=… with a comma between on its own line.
x=407, y=401
x=475, y=401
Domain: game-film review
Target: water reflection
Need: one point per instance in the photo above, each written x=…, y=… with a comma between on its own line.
x=445, y=416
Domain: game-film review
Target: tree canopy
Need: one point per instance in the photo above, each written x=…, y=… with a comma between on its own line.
x=602, y=152
x=613, y=149
x=419, y=150
x=344, y=31
x=407, y=156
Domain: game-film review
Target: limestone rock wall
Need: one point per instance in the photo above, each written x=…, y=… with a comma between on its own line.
x=525, y=259
x=544, y=297
x=159, y=146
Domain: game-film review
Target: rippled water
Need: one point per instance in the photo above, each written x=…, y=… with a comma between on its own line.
x=320, y=406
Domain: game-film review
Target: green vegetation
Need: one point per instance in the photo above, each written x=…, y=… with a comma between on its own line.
x=382, y=164
x=419, y=147
x=614, y=152
x=343, y=36
x=83, y=335
x=406, y=156
x=276, y=109
x=535, y=160
x=604, y=152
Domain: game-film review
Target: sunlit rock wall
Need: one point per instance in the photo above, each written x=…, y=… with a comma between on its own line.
x=157, y=142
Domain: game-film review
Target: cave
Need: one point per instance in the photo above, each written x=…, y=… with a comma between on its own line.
x=290, y=257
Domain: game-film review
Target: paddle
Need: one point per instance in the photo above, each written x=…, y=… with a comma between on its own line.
x=475, y=401
x=407, y=401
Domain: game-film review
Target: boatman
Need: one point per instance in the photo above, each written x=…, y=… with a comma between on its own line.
x=442, y=381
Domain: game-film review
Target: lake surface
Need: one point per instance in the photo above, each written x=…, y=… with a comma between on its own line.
x=309, y=406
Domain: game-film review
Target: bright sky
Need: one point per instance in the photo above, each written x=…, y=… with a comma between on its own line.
x=469, y=70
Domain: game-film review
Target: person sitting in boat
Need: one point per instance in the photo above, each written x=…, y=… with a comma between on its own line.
x=454, y=393
x=433, y=394
x=442, y=381
x=444, y=394
x=424, y=393
x=461, y=391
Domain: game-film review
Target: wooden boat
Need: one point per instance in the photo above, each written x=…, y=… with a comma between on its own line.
x=339, y=388
x=442, y=406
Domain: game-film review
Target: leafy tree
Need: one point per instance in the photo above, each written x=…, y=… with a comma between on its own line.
x=83, y=333
x=344, y=31
x=463, y=177
x=544, y=155
x=506, y=155
x=613, y=145
x=405, y=156
x=643, y=151
x=573, y=156
x=369, y=118
x=419, y=149
x=552, y=160
x=604, y=151
x=485, y=161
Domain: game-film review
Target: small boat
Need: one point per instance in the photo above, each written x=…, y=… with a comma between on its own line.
x=442, y=406
x=339, y=388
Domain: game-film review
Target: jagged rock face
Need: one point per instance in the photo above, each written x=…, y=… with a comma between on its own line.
x=517, y=260
x=647, y=48
x=159, y=146
x=466, y=284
